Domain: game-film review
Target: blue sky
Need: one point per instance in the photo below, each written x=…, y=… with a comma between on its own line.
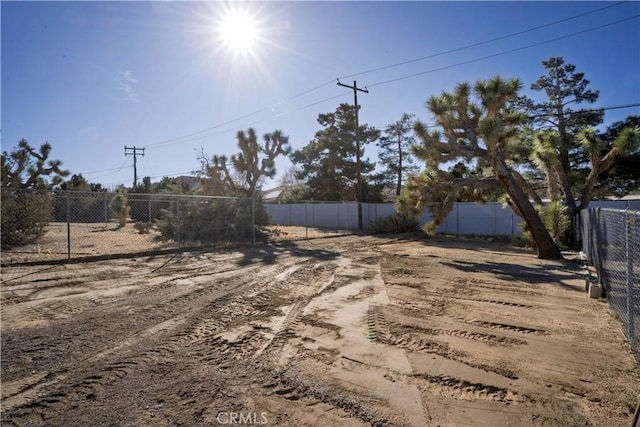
x=93, y=77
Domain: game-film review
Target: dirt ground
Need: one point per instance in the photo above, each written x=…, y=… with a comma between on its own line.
x=334, y=331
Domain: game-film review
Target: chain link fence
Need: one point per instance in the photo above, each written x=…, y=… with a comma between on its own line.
x=611, y=242
x=42, y=226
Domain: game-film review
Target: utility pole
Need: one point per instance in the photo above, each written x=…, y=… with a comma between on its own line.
x=135, y=152
x=359, y=178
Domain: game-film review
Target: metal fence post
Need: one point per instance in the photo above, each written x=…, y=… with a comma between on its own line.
x=630, y=319
x=306, y=227
x=253, y=219
x=149, y=208
x=178, y=219
x=68, y=228
x=106, y=213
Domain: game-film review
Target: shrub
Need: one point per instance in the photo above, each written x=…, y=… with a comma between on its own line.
x=147, y=207
x=393, y=224
x=207, y=220
x=84, y=207
x=556, y=220
x=143, y=227
x=119, y=207
x=24, y=215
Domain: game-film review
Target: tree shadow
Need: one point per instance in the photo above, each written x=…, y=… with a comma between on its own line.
x=268, y=253
x=535, y=275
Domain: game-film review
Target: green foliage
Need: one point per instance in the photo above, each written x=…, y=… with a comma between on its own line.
x=207, y=220
x=523, y=240
x=624, y=174
x=556, y=219
x=88, y=206
x=25, y=214
x=81, y=207
x=147, y=207
x=119, y=208
x=479, y=126
x=79, y=183
x=394, y=152
x=557, y=150
x=243, y=173
x=328, y=163
x=143, y=227
x=393, y=224
x=25, y=167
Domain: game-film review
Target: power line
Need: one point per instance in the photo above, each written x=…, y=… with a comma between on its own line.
x=101, y=170
x=116, y=170
x=382, y=128
x=182, y=140
x=445, y=52
x=616, y=107
x=157, y=145
x=235, y=128
x=263, y=109
x=501, y=53
x=170, y=174
x=269, y=107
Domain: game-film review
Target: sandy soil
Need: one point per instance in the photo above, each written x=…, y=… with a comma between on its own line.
x=85, y=240
x=339, y=331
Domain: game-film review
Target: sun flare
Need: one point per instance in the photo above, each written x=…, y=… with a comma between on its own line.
x=239, y=31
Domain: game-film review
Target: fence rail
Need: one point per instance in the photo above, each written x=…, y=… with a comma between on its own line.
x=611, y=241
x=57, y=225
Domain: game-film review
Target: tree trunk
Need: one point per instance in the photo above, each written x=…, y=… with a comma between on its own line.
x=547, y=249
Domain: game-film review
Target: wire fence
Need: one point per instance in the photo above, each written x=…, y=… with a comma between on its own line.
x=611, y=241
x=42, y=226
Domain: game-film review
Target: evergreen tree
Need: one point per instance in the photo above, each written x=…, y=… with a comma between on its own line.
x=328, y=163
x=623, y=176
x=563, y=87
x=394, y=152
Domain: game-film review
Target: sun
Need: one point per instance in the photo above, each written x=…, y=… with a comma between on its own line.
x=239, y=31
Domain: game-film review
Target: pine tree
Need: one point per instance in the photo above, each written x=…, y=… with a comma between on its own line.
x=328, y=162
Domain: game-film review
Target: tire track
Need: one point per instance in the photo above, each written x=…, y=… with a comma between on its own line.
x=458, y=388
x=274, y=346
x=487, y=301
x=292, y=385
x=504, y=327
x=197, y=335
x=104, y=375
x=408, y=338
x=471, y=335
x=520, y=288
